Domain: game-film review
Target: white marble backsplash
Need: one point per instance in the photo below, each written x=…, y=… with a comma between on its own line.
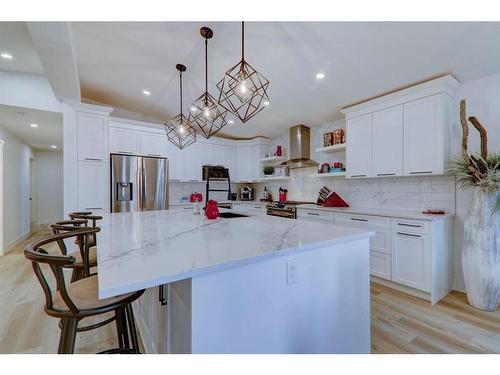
x=405, y=193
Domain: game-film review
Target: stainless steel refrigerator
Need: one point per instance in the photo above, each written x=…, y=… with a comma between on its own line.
x=138, y=183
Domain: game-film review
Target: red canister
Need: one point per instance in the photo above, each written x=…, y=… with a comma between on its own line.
x=211, y=210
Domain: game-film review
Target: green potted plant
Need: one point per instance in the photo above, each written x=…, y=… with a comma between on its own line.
x=481, y=243
x=268, y=170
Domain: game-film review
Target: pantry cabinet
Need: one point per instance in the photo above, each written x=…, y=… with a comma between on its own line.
x=93, y=185
x=92, y=134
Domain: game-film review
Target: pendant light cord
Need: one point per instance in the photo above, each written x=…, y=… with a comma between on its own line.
x=180, y=86
x=206, y=72
x=242, y=40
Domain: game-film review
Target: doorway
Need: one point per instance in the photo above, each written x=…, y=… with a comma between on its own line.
x=32, y=196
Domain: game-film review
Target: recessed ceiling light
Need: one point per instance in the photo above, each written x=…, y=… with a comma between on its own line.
x=231, y=121
x=146, y=92
x=6, y=55
x=320, y=75
x=53, y=146
x=266, y=103
x=34, y=125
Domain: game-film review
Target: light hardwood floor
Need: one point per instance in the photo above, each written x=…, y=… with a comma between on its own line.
x=400, y=323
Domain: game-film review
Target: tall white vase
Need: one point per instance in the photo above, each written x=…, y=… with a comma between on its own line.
x=481, y=252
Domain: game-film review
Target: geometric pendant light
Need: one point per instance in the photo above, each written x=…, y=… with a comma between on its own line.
x=243, y=90
x=178, y=130
x=205, y=115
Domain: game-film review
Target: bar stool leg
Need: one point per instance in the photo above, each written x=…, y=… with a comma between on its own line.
x=68, y=336
x=131, y=328
x=122, y=328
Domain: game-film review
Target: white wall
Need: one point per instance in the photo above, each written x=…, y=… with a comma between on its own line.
x=483, y=101
x=49, y=192
x=16, y=187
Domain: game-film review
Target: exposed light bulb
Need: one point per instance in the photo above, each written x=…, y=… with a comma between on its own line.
x=182, y=129
x=242, y=88
x=231, y=121
x=206, y=112
x=193, y=108
x=266, y=103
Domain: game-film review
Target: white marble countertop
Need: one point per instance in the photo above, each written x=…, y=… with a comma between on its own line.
x=140, y=250
x=378, y=212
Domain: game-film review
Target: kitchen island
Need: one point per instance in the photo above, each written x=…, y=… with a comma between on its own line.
x=256, y=284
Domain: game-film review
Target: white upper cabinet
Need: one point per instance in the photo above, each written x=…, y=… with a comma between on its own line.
x=244, y=163
x=175, y=162
x=230, y=159
x=410, y=131
x=207, y=152
x=123, y=141
x=193, y=161
x=92, y=137
x=388, y=142
x=359, y=146
x=153, y=144
x=423, y=136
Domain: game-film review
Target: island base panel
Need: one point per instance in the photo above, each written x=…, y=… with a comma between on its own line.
x=256, y=309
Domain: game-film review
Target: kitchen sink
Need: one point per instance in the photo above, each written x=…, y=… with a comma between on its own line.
x=231, y=215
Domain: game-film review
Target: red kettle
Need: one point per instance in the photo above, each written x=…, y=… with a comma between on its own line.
x=195, y=197
x=211, y=210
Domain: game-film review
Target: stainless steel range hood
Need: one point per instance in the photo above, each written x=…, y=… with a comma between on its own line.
x=300, y=148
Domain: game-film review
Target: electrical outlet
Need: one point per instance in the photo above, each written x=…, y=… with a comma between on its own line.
x=292, y=276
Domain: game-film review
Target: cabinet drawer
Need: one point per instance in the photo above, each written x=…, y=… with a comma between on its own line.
x=253, y=207
x=315, y=215
x=409, y=225
x=380, y=265
x=373, y=221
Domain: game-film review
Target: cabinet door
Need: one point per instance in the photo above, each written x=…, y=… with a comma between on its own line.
x=152, y=144
x=175, y=158
x=123, y=141
x=359, y=147
x=92, y=137
x=380, y=265
x=219, y=157
x=388, y=142
x=256, y=165
x=230, y=160
x=193, y=161
x=423, y=136
x=207, y=154
x=93, y=185
x=411, y=260
x=244, y=163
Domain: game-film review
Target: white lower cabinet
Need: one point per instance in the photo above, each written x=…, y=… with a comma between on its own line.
x=93, y=186
x=380, y=265
x=411, y=260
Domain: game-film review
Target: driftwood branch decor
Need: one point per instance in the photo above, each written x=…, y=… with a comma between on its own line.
x=480, y=252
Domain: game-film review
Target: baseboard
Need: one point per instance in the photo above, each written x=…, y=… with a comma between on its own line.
x=405, y=289
x=16, y=242
x=459, y=285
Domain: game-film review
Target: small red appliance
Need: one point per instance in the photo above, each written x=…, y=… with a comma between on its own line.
x=211, y=210
x=195, y=197
x=282, y=194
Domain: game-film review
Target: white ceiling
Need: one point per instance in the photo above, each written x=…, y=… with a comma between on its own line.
x=16, y=40
x=17, y=120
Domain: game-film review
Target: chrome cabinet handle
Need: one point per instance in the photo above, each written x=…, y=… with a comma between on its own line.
x=386, y=174
x=161, y=296
x=422, y=172
x=312, y=214
x=358, y=175
x=93, y=159
x=409, y=235
x=356, y=219
x=93, y=208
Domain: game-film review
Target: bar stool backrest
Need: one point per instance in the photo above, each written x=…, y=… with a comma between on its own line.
x=38, y=255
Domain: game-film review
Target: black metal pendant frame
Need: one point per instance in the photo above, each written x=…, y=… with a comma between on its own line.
x=243, y=90
x=205, y=115
x=177, y=129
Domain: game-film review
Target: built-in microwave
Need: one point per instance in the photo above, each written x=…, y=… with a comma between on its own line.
x=215, y=172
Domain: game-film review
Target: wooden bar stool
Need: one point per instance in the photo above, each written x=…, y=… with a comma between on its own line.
x=78, y=300
x=87, y=215
x=86, y=258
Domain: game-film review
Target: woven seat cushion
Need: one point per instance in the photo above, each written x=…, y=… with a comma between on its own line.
x=83, y=293
x=92, y=256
